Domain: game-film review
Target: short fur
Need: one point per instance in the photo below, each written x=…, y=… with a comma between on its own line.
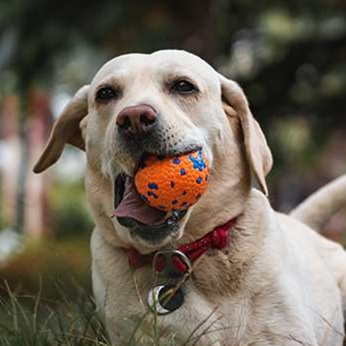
x=277, y=283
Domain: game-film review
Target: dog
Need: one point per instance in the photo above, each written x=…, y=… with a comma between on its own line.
x=274, y=281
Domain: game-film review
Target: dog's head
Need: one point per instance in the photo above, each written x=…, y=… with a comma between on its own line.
x=167, y=103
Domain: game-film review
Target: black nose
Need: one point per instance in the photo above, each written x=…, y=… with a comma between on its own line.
x=136, y=120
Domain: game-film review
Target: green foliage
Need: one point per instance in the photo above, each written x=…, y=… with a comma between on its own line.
x=48, y=262
x=70, y=216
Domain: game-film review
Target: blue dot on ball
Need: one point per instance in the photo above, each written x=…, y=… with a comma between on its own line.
x=153, y=186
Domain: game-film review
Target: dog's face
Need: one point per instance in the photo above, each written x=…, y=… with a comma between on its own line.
x=166, y=103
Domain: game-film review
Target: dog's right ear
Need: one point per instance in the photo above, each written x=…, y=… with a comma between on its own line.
x=65, y=130
x=256, y=148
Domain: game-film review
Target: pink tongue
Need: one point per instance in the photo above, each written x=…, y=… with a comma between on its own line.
x=134, y=207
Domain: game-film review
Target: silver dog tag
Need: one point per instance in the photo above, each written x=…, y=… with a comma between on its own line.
x=165, y=299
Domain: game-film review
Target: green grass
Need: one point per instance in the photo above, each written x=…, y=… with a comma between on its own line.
x=27, y=320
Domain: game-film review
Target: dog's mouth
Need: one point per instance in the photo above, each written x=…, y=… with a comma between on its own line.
x=144, y=221
x=130, y=207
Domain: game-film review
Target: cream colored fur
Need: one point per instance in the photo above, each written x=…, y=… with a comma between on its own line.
x=317, y=210
x=277, y=283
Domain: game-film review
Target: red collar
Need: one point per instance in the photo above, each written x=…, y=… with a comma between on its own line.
x=217, y=238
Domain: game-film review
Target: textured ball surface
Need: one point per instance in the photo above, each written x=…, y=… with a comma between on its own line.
x=173, y=183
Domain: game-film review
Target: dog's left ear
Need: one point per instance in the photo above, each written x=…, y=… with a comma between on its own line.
x=69, y=128
x=257, y=151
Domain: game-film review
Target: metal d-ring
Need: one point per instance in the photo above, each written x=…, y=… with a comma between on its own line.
x=169, y=269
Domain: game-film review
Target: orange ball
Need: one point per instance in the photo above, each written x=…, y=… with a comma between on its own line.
x=173, y=183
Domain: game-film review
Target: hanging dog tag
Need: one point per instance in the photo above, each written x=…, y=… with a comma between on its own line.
x=165, y=299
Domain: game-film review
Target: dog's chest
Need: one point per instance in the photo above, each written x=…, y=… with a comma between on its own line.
x=126, y=298
x=229, y=320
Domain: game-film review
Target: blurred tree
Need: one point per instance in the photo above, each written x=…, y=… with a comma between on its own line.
x=33, y=35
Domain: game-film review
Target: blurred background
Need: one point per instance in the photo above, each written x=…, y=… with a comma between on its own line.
x=289, y=56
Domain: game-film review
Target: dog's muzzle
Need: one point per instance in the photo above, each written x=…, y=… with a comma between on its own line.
x=148, y=223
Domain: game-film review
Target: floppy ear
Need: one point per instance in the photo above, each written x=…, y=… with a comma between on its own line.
x=256, y=148
x=65, y=130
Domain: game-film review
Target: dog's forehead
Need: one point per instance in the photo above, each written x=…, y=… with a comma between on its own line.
x=169, y=61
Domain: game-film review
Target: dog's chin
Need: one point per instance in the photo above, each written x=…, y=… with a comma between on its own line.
x=155, y=236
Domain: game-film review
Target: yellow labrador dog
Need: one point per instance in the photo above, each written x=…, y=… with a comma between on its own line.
x=270, y=280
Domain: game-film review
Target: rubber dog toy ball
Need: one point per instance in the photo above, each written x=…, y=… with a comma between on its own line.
x=173, y=183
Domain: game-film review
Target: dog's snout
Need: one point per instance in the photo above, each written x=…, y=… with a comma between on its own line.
x=136, y=120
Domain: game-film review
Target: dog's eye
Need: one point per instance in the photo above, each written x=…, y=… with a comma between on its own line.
x=106, y=93
x=184, y=86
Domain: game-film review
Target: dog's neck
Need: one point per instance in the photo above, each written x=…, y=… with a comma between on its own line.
x=185, y=255
x=229, y=268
